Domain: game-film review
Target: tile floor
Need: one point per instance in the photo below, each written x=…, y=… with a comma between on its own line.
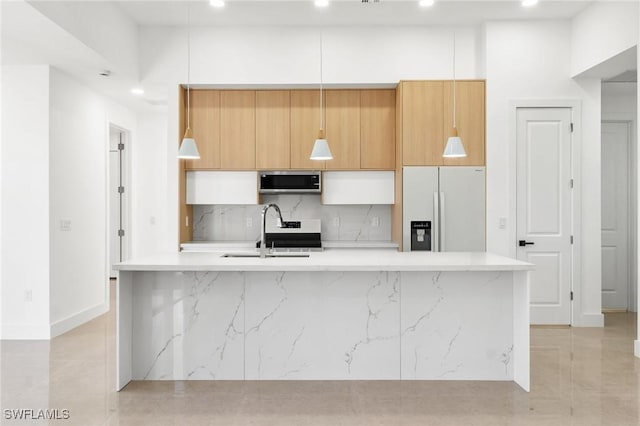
x=579, y=377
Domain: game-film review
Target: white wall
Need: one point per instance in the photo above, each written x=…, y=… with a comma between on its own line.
x=291, y=55
x=104, y=28
x=78, y=193
x=529, y=61
x=149, y=183
x=25, y=202
x=602, y=31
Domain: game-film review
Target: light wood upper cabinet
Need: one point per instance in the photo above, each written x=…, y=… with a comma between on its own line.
x=304, y=125
x=427, y=120
x=343, y=128
x=205, y=124
x=237, y=129
x=422, y=123
x=272, y=129
x=378, y=129
x=470, y=120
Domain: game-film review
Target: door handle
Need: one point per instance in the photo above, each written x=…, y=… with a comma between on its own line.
x=523, y=243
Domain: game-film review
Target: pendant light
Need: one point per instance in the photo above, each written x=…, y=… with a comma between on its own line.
x=188, y=148
x=321, y=149
x=454, y=148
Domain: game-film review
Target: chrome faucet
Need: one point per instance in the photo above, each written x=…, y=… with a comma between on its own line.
x=263, y=238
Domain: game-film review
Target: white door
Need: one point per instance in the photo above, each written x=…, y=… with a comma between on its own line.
x=615, y=207
x=544, y=209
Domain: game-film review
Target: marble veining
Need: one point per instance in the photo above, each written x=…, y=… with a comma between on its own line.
x=463, y=324
x=195, y=329
x=374, y=309
x=355, y=222
x=308, y=326
x=300, y=325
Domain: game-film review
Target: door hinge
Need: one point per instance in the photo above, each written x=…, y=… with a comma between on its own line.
x=121, y=190
x=571, y=127
x=120, y=147
x=571, y=295
x=571, y=183
x=120, y=232
x=571, y=239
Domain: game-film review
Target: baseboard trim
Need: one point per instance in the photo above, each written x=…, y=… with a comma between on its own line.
x=589, y=320
x=25, y=332
x=75, y=320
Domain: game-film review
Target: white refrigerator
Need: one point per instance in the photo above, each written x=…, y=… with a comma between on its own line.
x=447, y=202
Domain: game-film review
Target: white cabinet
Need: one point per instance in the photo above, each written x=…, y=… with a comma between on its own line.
x=358, y=187
x=218, y=187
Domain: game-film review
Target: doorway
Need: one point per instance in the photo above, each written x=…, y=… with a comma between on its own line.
x=544, y=183
x=616, y=215
x=117, y=229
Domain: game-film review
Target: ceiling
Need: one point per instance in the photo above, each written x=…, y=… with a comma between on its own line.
x=39, y=33
x=344, y=12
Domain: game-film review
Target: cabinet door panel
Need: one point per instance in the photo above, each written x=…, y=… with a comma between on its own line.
x=272, y=129
x=205, y=124
x=343, y=128
x=237, y=129
x=422, y=123
x=470, y=120
x=378, y=129
x=305, y=123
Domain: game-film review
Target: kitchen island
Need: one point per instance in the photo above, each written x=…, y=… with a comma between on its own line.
x=335, y=315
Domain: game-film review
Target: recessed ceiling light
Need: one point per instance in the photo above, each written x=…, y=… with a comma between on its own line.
x=321, y=3
x=217, y=3
x=529, y=3
x=137, y=91
x=426, y=3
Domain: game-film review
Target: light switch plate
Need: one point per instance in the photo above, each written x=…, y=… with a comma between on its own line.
x=65, y=225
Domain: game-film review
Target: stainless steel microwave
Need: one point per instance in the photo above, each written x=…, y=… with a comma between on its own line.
x=292, y=182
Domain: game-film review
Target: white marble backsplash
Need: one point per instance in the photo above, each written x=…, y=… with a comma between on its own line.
x=339, y=223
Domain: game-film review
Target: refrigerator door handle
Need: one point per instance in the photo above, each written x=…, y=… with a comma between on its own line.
x=443, y=224
x=435, y=229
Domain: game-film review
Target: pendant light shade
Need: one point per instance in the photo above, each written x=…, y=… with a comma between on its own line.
x=188, y=148
x=454, y=147
x=321, y=149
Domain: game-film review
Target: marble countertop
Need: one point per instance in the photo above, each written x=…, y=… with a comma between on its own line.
x=329, y=260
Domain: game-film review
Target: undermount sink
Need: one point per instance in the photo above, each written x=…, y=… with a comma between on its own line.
x=267, y=255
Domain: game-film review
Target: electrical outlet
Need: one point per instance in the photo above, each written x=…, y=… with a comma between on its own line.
x=249, y=222
x=28, y=296
x=375, y=221
x=152, y=220
x=336, y=221
x=502, y=223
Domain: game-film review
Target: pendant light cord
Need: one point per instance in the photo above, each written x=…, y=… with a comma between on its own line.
x=454, y=79
x=321, y=101
x=188, y=67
